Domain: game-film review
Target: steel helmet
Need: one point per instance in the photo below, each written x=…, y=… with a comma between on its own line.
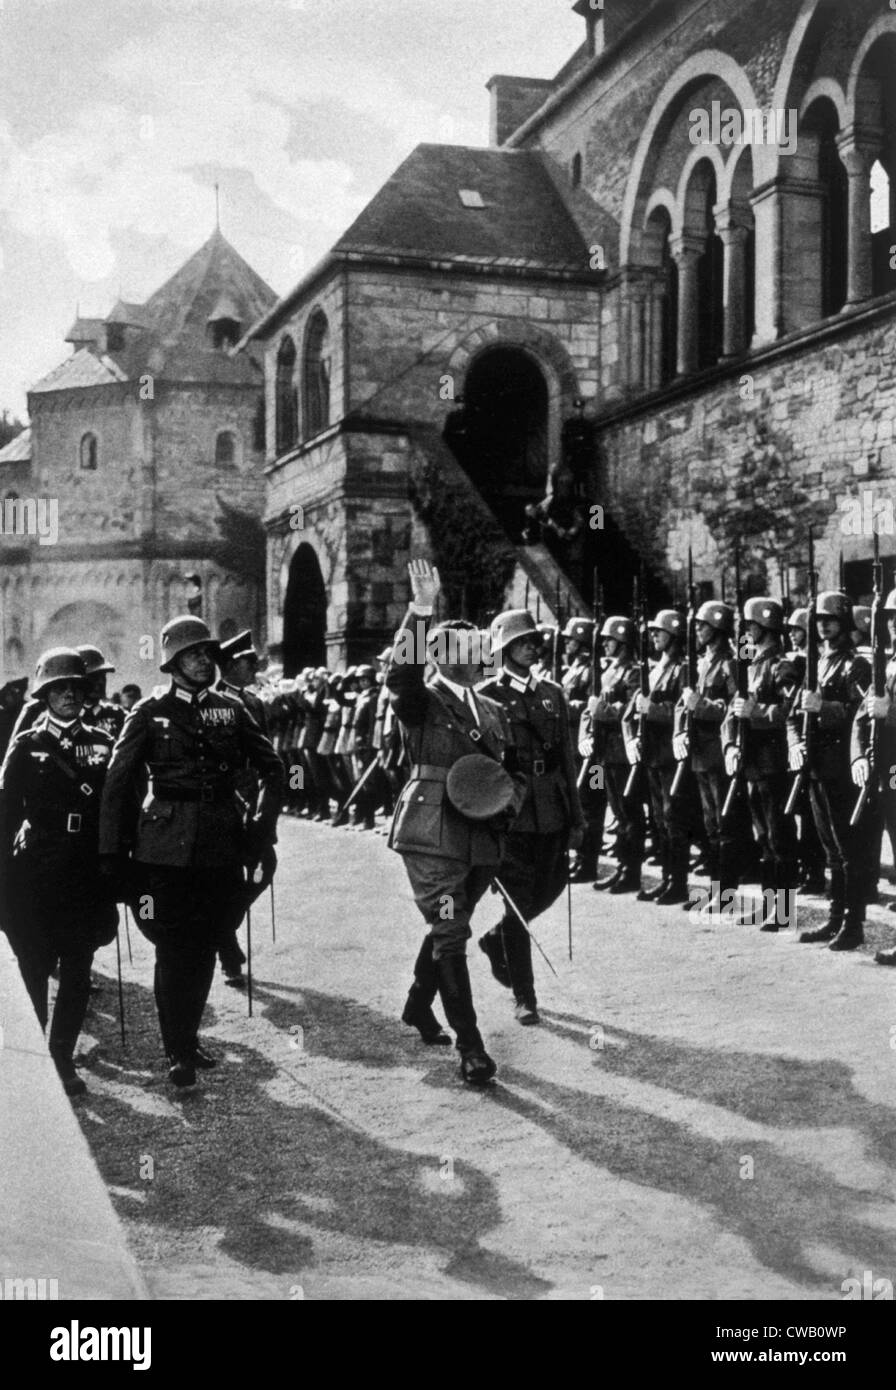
x=58, y=664
x=668, y=620
x=94, y=660
x=579, y=629
x=367, y=672
x=767, y=612
x=861, y=618
x=834, y=604
x=717, y=615
x=890, y=602
x=799, y=618
x=623, y=629
x=509, y=627
x=180, y=635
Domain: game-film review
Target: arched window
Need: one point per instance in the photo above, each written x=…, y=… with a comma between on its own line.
x=225, y=449
x=317, y=375
x=87, y=454
x=576, y=171
x=883, y=275
x=287, y=400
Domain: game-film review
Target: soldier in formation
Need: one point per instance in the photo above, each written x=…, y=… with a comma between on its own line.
x=602, y=747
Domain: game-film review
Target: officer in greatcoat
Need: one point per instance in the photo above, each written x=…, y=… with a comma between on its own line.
x=550, y=821
x=173, y=829
x=54, y=904
x=449, y=855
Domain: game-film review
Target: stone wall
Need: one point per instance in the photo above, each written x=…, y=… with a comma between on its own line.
x=760, y=453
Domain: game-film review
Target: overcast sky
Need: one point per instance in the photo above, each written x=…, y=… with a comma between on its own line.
x=117, y=117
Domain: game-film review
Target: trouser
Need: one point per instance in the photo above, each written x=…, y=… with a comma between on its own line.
x=712, y=785
x=812, y=857
x=833, y=800
x=629, y=813
x=188, y=908
x=773, y=831
x=594, y=808
x=230, y=953
x=670, y=819
x=367, y=799
x=37, y=956
x=447, y=892
x=534, y=871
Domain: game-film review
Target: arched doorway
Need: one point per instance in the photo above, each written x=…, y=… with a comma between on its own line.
x=500, y=437
x=86, y=621
x=304, y=613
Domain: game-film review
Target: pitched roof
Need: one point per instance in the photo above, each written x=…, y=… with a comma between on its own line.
x=168, y=335
x=18, y=450
x=83, y=368
x=419, y=212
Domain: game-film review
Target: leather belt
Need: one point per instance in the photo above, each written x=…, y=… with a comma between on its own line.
x=540, y=767
x=206, y=794
x=428, y=772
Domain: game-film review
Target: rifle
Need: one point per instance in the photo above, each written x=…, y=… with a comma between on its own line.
x=743, y=679
x=597, y=608
x=639, y=612
x=879, y=643
x=557, y=655
x=810, y=681
x=692, y=669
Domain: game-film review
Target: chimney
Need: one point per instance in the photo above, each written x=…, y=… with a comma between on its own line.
x=514, y=100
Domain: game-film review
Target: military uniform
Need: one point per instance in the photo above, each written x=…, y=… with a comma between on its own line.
x=534, y=866
x=882, y=809
x=770, y=681
x=170, y=803
x=843, y=679
x=658, y=759
x=56, y=906
x=363, y=751
x=449, y=859
x=716, y=687
x=577, y=688
x=602, y=745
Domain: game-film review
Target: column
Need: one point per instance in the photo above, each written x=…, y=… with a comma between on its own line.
x=858, y=148
x=733, y=226
x=686, y=251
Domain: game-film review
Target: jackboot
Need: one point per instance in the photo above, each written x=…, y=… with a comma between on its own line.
x=476, y=1067
x=836, y=911
x=522, y=981
x=629, y=881
x=850, y=935
x=675, y=892
x=610, y=881
x=417, y=1011
x=650, y=895
x=491, y=945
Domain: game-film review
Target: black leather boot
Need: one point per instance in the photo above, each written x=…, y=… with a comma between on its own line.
x=850, y=935
x=418, y=1006
x=476, y=1067
x=675, y=892
x=629, y=881
x=650, y=895
x=836, y=912
x=491, y=946
x=610, y=881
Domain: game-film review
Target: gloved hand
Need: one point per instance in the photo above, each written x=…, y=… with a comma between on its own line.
x=260, y=870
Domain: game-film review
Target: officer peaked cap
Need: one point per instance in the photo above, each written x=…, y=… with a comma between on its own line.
x=238, y=646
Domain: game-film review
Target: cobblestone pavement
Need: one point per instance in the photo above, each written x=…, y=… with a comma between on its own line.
x=706, y=1112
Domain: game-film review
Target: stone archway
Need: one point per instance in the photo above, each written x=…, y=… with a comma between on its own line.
x=86, y=621
x=304, y=612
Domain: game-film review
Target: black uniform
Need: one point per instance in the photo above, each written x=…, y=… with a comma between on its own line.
x=534, y=866
x=55, y=904
x=170, y=802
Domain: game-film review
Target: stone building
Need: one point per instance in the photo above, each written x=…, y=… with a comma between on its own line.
x=675, y=263
x=149, y=440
